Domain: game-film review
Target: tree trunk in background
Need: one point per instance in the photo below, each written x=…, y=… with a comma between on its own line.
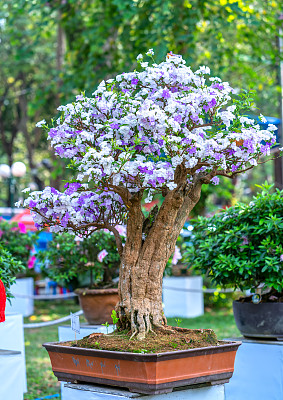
x=143, y=262
x=56, y=178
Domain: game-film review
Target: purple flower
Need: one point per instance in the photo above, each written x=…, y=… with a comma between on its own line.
x=215, y=180
x=54, y=191
x=245, y=240
x=166, y=94
x=212, y=103
x=195, y=118
x=217, y=86
x=65, y=219
x=143, y=169
x=73, y=187
x=114, y=125
x=178, y=118
x=281, y=257
x=134, y=81
x=32, y=203
x=192, y=150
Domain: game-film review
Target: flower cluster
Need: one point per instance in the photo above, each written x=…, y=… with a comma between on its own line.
x=134, y=133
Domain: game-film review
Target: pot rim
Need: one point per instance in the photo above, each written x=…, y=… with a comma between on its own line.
x=86, y=291
x=272, y=303
x=225, y=346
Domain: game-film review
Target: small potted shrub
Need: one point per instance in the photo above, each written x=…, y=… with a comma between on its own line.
x=20, y=244
x=10, y=267
x=89, y=265
x=159, y=130
x=15, y=238
x=242, y=248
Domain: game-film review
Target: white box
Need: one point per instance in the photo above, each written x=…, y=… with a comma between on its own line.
x=11, y=387
x=12, y=338
x=183, y=296
x=23, y=304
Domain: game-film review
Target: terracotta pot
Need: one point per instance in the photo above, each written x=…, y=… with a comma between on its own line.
x=144, y=373
x=97, y=304
x=263, y=320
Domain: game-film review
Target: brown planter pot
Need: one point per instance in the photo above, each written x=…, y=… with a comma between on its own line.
x=144, y=373
x=97, y=304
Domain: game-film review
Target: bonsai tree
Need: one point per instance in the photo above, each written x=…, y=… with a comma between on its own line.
x=9, y=268
x=162, y=129
x=242, y=247
x=92, y=261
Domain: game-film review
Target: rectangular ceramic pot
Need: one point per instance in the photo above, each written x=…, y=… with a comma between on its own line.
x=144, y=373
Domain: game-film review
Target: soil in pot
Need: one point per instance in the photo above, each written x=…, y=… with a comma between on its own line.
x=159, y=341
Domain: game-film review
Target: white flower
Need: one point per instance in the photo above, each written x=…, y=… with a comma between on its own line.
x=40, y=123
x=139, y=57
x=150, y=52
x=26, y=190
x=262, y=119
x=144, y=64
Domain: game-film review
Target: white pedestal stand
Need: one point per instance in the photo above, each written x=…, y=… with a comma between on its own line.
x=95, y=392
x=258, y=373
x=21, y=304
x=183, y=296
x=11, y=387
x=12, y=365
x=65, y=333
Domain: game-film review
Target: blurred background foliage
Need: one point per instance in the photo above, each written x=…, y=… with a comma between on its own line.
x=52, y=50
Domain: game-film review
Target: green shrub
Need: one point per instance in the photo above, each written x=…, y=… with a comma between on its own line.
x=68, y=259
x=9, y=268
x=242, y=247
x=15, y=239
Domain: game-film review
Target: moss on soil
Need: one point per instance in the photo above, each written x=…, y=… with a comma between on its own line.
x=160, y=341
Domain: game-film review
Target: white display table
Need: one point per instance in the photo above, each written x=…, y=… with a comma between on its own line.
x=96, y=392
x=12, y=338
x=65, y=333
x=23, y=304
x=11, y=387
x=258, y=373
x=183, y=296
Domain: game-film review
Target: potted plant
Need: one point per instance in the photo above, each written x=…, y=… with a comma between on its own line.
x=242, y=248
x=89, y=265
x=160, y=129
x=20, y=243
x=15, y=238
x=10, y=267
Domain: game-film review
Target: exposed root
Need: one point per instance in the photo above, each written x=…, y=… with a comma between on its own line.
x=164, y=328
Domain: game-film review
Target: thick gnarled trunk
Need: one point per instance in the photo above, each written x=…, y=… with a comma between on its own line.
x=144, y=260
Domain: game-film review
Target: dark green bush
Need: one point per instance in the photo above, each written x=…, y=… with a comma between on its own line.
x=242, y=247
x=9, y=268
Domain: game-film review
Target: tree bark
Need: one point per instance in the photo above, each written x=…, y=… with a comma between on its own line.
x=144, y=260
